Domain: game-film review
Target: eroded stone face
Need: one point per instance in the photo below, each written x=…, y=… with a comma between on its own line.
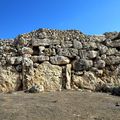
x=68, y=52
x=87, y=81
x=9, y=79
x=49, y=76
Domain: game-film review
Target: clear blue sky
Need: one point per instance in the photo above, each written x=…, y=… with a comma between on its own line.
x=89, y=16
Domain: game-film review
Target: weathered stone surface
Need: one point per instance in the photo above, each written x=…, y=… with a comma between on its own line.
x=44, y=42
x=12, y=60
x=111, y=51
x=59, y=60
x=27, y=62
x=27, y=50
x=27, y=72
x=49, y=76
x=89, y=45
x=9, y=79
x=41, y=34
x=68, y=52
x=92, y=54
x=102, y=48
x=49, y=52
x=41, y=48
x=115, y=43
x=99, y=64
x=83, y=54
x=77, y=44
x=112, y=60
x=111, y=35
x=43, y=58
x=66, y=44
x=87, y=81
x=34, y=58
x=82, y=64
x=3, y=62
x=18, y=60
x=40, y=42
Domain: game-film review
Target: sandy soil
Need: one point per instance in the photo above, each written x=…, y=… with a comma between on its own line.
x=65, y=105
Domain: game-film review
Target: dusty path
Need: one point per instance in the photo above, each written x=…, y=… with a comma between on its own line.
x=66, y=105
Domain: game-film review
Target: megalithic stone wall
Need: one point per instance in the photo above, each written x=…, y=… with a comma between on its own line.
x=52, y=60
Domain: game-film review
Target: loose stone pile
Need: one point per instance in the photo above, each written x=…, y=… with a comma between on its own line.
x=50, y=60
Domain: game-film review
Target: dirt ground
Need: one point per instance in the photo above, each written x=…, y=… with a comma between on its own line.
x=65, y=105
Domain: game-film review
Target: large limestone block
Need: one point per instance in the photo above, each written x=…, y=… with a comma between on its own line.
x=9, y=79
x=59, y=60
x=49, y=76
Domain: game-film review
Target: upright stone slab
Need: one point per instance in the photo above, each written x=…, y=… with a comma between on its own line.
x=68, y=76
